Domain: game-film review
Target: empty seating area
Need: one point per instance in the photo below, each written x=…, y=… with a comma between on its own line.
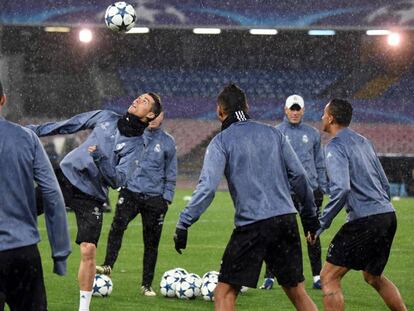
x=402, y=88
x=207, y=83
x=388, y=138
x=192, y=94
x=188, y=134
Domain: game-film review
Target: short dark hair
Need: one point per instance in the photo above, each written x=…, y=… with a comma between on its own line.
x=341, y=110
x=156, y=107
x=1, y=89
x=232, y=98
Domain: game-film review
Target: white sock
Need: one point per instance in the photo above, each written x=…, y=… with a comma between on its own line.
x=85, y=300
x=316, y=278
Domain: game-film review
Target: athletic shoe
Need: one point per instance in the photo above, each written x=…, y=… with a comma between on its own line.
x=104, y=269
x=317, y=284
x=268, y=283
x=148, y=291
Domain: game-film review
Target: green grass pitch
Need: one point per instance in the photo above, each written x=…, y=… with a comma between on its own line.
x=206, y=242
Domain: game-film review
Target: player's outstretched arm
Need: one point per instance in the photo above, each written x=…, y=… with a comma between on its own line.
x=75, y=124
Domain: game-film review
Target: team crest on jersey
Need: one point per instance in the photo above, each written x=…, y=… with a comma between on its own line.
x=104, y=125
x=157, y=148
x=120, y=146
x=305, y=139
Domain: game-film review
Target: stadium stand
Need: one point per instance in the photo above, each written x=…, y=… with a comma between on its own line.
x=207, y=83
x=189, y=133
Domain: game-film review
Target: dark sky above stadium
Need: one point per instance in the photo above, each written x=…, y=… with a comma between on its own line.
x=241, y=13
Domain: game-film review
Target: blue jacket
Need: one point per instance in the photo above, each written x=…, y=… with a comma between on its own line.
x=23, y=162
x=306, y=141
x=78, y=165
x=356, y=179
x=155, y=172
x=260, y=167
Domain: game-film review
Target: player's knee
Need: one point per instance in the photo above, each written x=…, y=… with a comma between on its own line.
x=87, y=250
x=372, y=280
x=218, y=295
x=295, y=293
x=325, y=275
x=327, y=279
x=223, y=292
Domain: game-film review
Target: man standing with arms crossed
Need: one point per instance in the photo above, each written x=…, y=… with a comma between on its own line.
x=102, y=161
x=260, y=167
x=306, y=142
x=357, y=181
x=149, y=189
x=23, y=161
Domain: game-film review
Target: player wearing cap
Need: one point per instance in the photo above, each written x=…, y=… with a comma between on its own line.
x=306, y=142
x=260, y=167
x=357, y=181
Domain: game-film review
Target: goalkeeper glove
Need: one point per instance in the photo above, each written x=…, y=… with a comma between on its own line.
x=310, y=225
x=318, y=195
x=180, y=239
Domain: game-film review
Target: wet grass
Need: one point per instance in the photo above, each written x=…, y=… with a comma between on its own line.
x=207, y=240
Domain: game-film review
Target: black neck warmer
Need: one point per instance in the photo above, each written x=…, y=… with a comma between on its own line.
x=130, y=125
x=234, y=117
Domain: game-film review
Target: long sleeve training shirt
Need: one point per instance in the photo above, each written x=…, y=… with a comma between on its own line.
x=113, y=148
x=260, y=167
x=155, y=171
x=356, y=179
x=306, y=142
x=24, y=162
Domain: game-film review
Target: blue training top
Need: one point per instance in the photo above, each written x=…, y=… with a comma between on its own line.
x=306, y=142
x=260, y=167
x=79, y=166
x=356, y=179
x=23, y=162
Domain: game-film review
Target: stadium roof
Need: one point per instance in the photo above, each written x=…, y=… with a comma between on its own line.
x=232, y=14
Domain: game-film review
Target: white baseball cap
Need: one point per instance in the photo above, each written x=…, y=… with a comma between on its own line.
x=294, y=100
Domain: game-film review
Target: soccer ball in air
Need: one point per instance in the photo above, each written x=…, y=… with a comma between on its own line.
x=120, y=16
x=102, y=286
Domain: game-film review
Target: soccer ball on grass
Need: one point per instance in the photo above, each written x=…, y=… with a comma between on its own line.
x=102, y=286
